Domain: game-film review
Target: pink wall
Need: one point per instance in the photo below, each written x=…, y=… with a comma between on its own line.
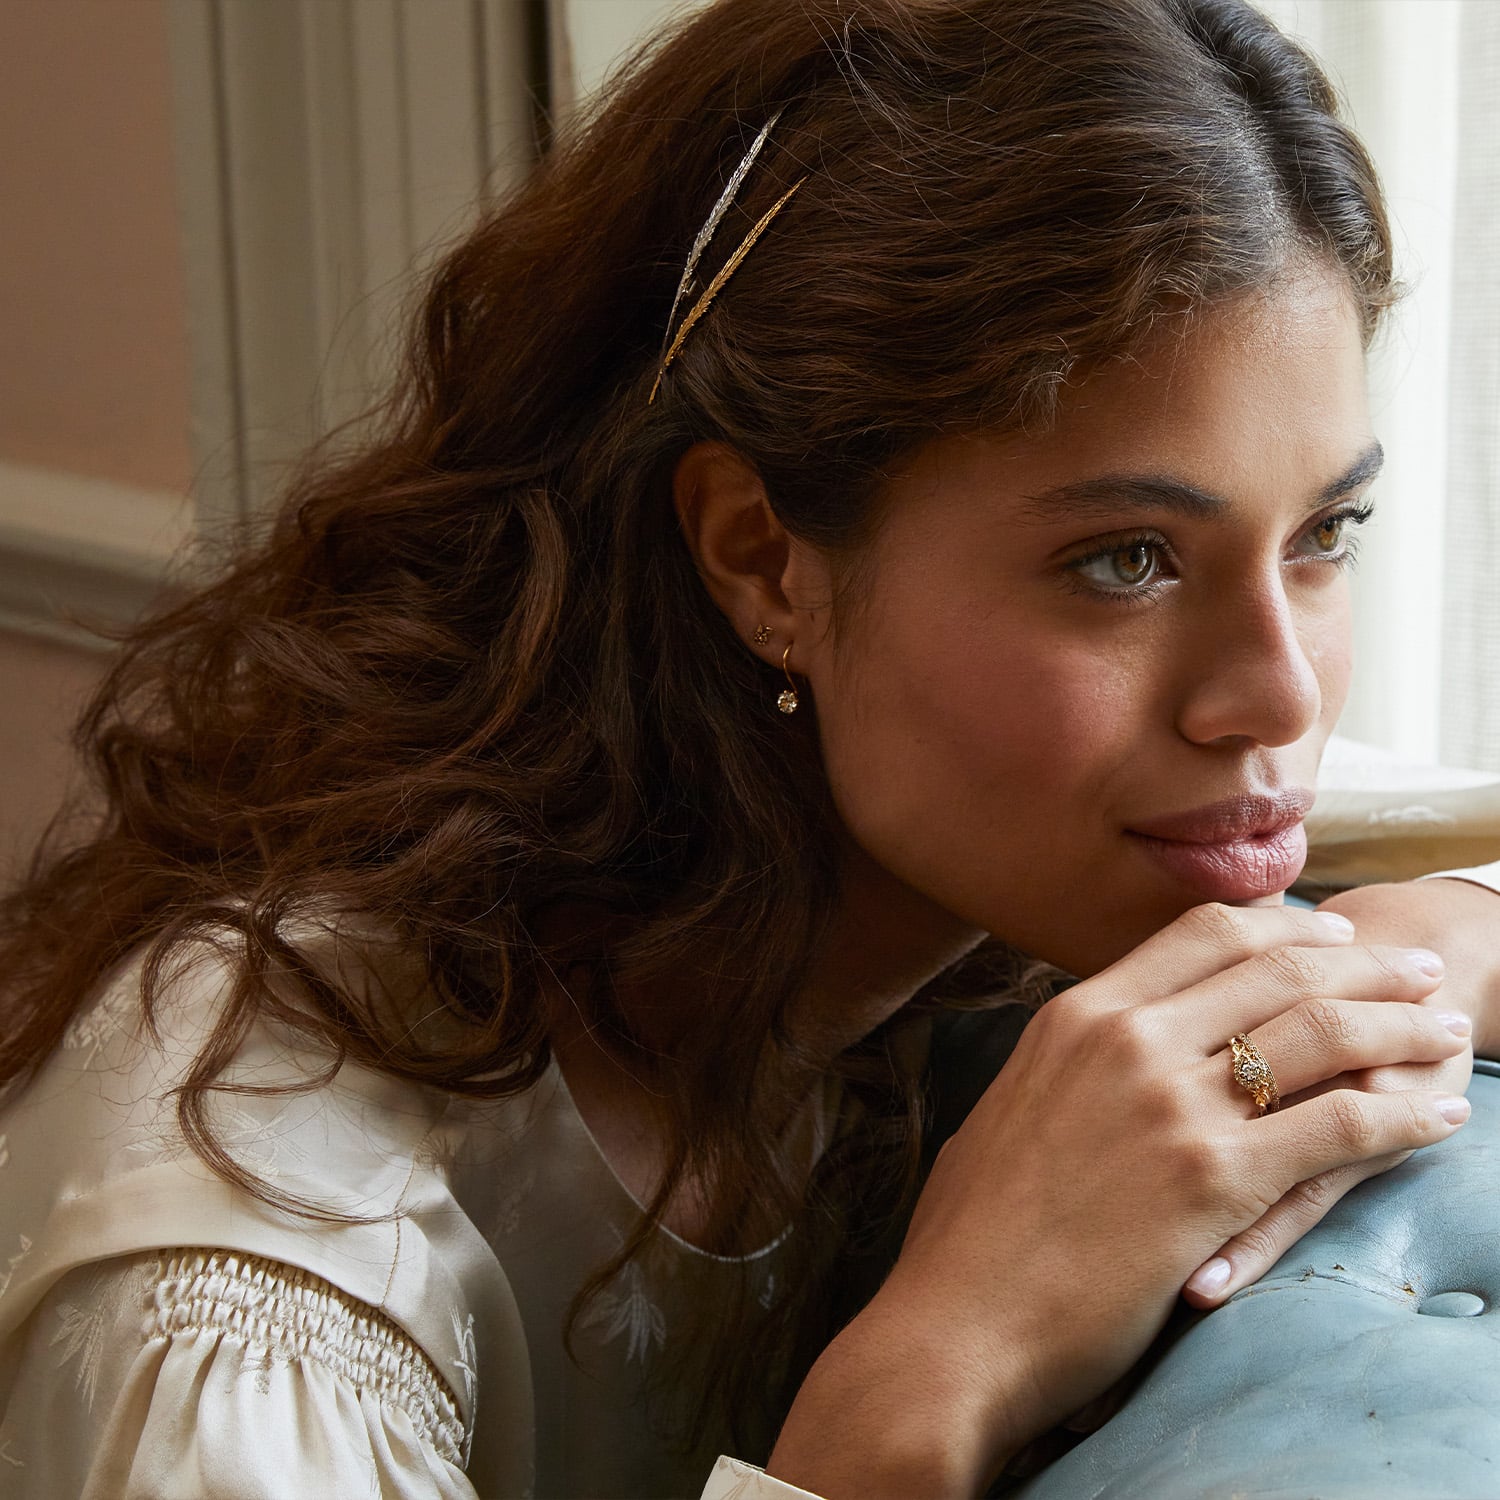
x=42, y=686
x=93, y=354
x=94, y=363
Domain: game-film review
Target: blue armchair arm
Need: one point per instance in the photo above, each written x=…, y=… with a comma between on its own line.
x=1365, y=1364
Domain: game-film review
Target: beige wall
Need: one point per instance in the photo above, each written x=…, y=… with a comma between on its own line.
x=94, y=354
x=42, y=687
x=93, y=372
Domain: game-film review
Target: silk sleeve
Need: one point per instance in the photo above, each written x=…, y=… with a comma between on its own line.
x=733, y=1479
x=1379, y=817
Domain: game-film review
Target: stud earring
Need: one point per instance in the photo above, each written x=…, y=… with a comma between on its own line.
x=762, y=635
x=787, y=702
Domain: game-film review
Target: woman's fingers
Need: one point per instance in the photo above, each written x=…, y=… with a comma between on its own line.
x=1342, y=1128
x=1259, y=990
x=1249, y=1255
x=1377, y=1131
x=1450, y=1075
x=1209, y=939
x=1321, y=1038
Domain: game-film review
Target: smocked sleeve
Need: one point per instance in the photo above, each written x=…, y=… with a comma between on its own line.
x=164, y=1333
x=198, y=1374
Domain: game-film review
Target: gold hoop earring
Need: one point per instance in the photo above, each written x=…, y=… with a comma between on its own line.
x=762, y=635
x=787, y=702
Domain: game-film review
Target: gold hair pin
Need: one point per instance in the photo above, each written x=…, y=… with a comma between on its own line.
x=671, y=343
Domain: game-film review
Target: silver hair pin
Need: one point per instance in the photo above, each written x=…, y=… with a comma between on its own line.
x=670, y=343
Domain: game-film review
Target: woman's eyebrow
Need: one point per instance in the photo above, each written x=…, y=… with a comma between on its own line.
x=1110, y=493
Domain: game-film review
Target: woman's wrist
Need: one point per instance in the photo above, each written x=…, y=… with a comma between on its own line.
x=892, y=1410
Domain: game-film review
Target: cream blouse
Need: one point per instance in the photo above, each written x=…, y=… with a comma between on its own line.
x=164, y=1335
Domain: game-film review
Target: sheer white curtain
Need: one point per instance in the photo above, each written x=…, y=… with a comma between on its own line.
x=1471, y=669
x=1421, y=79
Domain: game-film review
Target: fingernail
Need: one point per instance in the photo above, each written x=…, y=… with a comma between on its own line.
x=1425, y=960
x=1337, y=926
x=1212, y=1276
x=1456, y=1022
x=1454, y=1109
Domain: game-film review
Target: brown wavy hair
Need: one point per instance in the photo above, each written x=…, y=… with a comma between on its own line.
x=469, y=685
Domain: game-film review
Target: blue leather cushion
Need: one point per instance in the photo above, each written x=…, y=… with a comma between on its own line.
x=1350, y=1371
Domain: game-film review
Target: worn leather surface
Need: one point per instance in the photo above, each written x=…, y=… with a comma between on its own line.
x=1350, y=1371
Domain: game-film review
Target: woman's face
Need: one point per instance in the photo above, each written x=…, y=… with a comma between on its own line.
x=1088, y=676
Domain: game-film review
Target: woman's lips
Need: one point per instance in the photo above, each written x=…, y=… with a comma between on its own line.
x=1241, y=869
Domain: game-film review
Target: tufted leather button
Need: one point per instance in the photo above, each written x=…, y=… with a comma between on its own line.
x=1452, y=1305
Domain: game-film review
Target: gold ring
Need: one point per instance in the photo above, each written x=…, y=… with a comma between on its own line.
x=1253, y=1074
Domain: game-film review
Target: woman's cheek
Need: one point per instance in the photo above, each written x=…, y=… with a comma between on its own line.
x=930, y=732
x=1330, y=650
x=1059, y=713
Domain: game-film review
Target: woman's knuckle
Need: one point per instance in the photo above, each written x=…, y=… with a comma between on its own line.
x=1208, y=1168
x=1292, y=970
x=1262, y=1242
x=1332, y=1029
x=1353, y=1126
x=1423, y=1028
x=1070, y=1014
x=1391, y=968
x=1386, y=1079
x=1126, y=1036
x=1225, y=929
x=1314, y=1197
x=1424, y=1125
x=1059, y=1028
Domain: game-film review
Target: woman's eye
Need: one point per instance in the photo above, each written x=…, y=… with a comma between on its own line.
x=1327, y=537
x=1332, y=537
x=1127, y=567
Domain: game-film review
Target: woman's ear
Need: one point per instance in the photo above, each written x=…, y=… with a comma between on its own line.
x=739, y=547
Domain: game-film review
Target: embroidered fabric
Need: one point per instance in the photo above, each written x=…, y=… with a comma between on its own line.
x=282, y=1313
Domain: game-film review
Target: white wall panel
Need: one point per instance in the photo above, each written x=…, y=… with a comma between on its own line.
x=329, y=148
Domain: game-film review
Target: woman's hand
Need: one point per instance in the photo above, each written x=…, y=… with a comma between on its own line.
x=1111, y=1156
x=1456, y=918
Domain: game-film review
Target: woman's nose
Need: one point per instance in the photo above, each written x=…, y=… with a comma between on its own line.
x=1250, y=676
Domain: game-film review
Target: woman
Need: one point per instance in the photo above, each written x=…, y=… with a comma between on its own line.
x=542, y=860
